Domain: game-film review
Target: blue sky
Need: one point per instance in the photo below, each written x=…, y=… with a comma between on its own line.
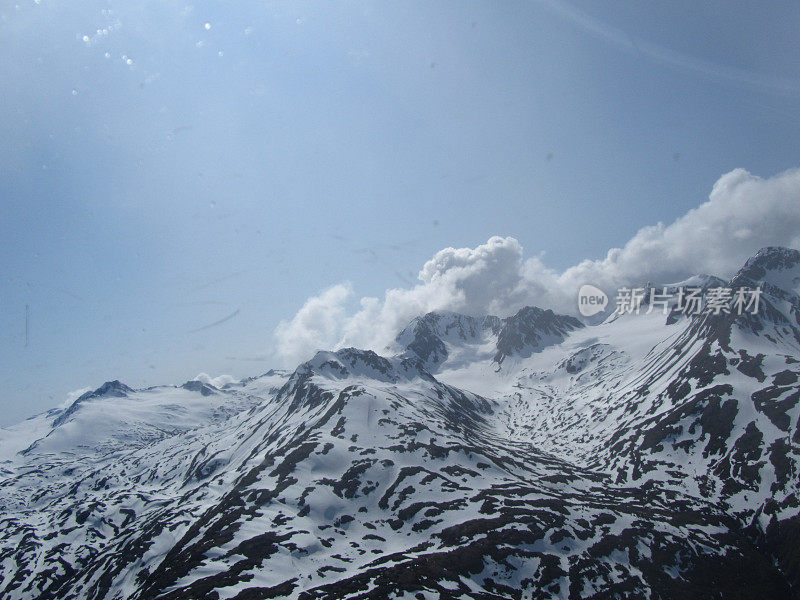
x=176, y=179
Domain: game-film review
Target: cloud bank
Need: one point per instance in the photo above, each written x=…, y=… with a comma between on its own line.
x=743, y=213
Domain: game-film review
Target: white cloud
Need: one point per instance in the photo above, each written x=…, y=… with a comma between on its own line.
x=316, y=326
x=217, y=382
x=74, y=395
x=743, y=213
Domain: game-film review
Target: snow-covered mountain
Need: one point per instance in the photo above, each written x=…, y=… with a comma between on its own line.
x=650, y=456
x=440, y=337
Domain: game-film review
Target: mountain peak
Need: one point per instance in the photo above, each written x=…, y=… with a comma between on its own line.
x=114, y=388
x=433, y=337
x=775, y=270
x=194, y=385
x=530, y=329
x=353, y=362
x=109, y=388
x=770, y=258
x=425, y=337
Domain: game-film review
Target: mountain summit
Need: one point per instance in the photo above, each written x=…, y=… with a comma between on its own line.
x=439, y=336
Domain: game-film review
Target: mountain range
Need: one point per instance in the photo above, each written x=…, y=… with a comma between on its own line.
x=528, y=457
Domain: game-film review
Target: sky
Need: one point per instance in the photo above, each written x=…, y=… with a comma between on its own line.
x=221, y=188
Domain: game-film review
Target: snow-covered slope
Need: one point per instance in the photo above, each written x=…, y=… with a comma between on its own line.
x=649, y=456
